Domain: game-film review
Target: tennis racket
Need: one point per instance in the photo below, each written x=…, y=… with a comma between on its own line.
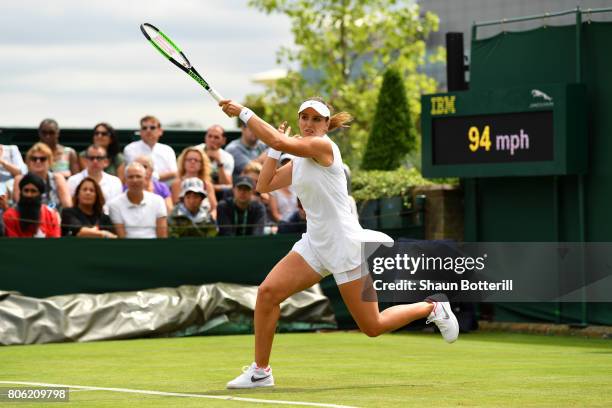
x=173, y=53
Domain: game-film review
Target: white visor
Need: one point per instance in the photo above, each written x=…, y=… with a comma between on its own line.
x=320, y=107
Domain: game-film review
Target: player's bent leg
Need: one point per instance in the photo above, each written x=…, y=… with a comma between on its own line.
x=289, y=276
x=367, y=315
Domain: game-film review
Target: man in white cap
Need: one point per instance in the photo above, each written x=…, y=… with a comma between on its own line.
x=191, y=217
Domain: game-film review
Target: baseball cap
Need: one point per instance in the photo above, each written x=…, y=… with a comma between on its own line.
x=244, y=181
x=193, y=184
x=320, y=107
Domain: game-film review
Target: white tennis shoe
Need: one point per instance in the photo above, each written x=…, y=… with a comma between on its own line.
x=252, y=377
x=442, y=315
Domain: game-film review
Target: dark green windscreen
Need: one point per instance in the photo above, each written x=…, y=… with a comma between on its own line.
x=546, y=208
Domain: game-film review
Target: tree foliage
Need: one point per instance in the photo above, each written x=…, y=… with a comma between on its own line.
x=391, y=137
x=341, y=50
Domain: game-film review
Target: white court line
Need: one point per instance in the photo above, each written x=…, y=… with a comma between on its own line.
x=83, y=390
x=180, y=394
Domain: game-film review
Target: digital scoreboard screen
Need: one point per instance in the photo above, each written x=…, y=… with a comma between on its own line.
x=540, y=130
x=500, y=138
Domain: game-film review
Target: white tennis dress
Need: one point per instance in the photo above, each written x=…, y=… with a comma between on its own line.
x=333, y=238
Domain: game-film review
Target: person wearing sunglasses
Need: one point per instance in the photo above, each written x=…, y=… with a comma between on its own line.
x=104, y=135
x=163, y=155
x=31, y=218
x=65, y=160
x=96, y=161
x=39, y=160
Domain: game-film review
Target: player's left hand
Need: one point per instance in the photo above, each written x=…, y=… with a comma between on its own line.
x=285, y=129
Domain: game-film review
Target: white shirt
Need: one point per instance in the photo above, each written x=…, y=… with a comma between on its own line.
x=140, y=220
x=333, y=233
x=110, y=185
x=164, y=158
x=10, y=153
x=226, y=158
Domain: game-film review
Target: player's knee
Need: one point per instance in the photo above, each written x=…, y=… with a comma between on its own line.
x=267, y=294
x=372, y=330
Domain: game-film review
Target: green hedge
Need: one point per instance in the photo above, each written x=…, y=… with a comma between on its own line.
x=375, y=184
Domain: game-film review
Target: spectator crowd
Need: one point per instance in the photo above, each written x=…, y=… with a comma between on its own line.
x=143, y=190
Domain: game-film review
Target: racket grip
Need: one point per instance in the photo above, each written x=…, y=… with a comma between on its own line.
x=215, y=94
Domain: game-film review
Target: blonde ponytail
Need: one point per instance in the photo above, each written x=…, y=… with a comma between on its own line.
x=339, y=120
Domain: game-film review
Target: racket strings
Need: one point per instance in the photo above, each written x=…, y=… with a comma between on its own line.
x=161, y=41
x=171, y=51
x=165, y=45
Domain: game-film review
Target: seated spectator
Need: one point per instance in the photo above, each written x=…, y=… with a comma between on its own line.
x=296, y=223
x=104, y=135
x=193, y=163
x=190, y=218
x=11, y=163
x=6, y=190
x=65, y=160
x=11, y=166
x=163, y=155
x=241, y=215
x=31, y=218
x=252, y=170
x=246, y=149
x=96, y=160
x=86, y=219
x=152, y=185
x=222, y=163
x=39, y=160
x=283, y=202
x=138, y=213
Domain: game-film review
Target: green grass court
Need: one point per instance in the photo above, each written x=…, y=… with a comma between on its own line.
x=394, y=370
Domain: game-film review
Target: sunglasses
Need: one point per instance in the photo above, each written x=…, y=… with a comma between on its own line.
x=148, y=127
x=97, y=158
x=101, y=133
x=41, y=159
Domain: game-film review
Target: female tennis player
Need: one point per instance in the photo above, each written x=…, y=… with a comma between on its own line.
x=332, y=243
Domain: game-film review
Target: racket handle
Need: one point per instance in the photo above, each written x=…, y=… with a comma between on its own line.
x=215, y=94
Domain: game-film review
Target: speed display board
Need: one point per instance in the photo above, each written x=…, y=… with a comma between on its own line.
x=509, y=132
